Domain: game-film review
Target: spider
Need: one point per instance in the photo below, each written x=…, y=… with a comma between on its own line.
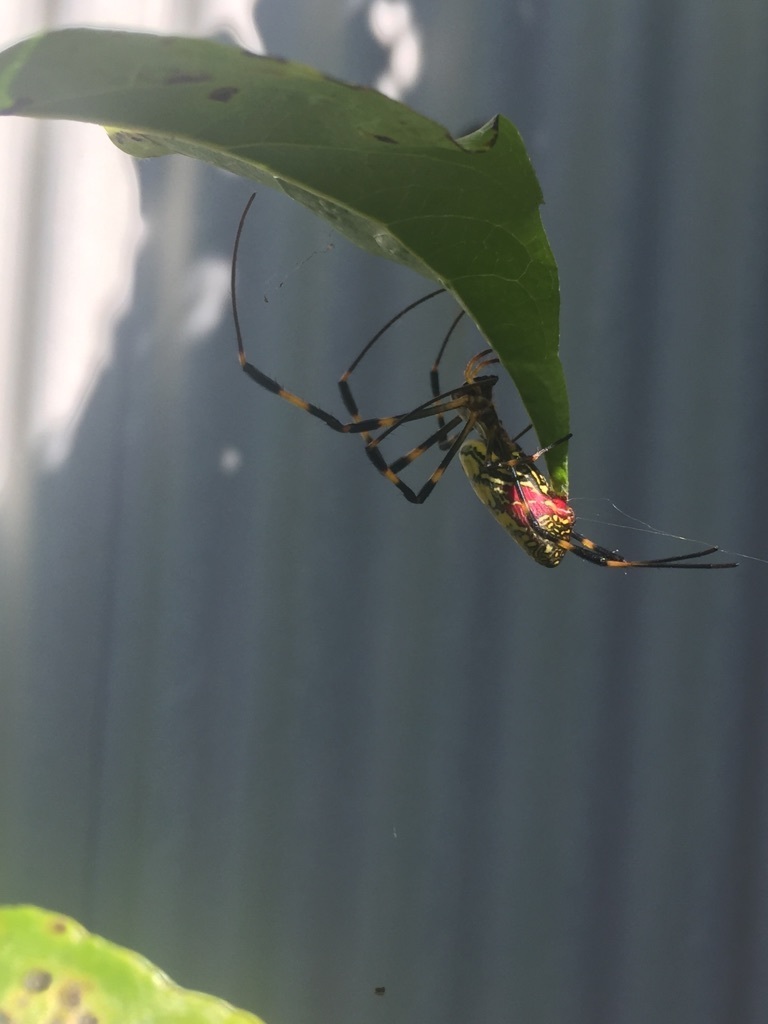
x=504, y=477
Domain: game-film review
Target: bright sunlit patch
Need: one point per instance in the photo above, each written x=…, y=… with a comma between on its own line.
x=391, y=24
x=207, y=289
x=68, y=248
x=76, y=245
x=230, y=461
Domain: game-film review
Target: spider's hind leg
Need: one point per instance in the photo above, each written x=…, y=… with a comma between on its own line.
x=345, y=387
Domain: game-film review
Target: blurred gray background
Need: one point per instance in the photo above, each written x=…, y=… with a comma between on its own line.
x=293, y=738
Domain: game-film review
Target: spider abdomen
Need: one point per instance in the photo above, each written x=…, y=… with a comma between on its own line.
x=521, y=500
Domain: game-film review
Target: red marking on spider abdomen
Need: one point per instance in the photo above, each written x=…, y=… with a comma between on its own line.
x=528, y=501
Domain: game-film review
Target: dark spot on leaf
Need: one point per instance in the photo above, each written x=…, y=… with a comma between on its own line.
x=87, y=1018
x=187, y=78
x=121, y=138
x=17, y=106
x=385, y=138
x=58, y=927
x=226, y=92
x=37, y=981
x=70, y=994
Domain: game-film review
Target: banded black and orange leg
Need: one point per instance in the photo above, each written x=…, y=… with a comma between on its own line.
x=434, y=407
x=587, y=549
x=392, y=470
x=434, y=372
x=524, y=457
x=356, y=426
x=438, y=407
x=344, y=386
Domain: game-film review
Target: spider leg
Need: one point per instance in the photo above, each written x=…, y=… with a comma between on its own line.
x=344, y=385
x=595, y=553
x=613, y=558
x=434, y=373
x=391, y=472
x=480, y=361
x=358, y=425
x=506, y=469
x=522, y=433
x=547, y=447
x=456, y=399
x=439, y=438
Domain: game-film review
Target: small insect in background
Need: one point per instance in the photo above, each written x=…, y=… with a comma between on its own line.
x=504, y=477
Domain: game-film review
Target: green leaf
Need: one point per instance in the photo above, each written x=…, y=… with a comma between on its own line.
x=52, y=969
x=463, y=212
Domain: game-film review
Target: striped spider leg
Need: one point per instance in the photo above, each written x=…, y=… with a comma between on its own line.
x=467, y=402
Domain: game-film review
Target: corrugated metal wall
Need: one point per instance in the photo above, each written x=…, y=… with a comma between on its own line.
x=294, y=738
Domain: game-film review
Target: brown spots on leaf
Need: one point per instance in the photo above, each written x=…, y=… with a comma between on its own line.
x=37, y=981
x=70, y=995
x=224, y=93
x=126, y=137
x=385, y=138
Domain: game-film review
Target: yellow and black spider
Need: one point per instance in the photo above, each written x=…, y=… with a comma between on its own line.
x=504, y=477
